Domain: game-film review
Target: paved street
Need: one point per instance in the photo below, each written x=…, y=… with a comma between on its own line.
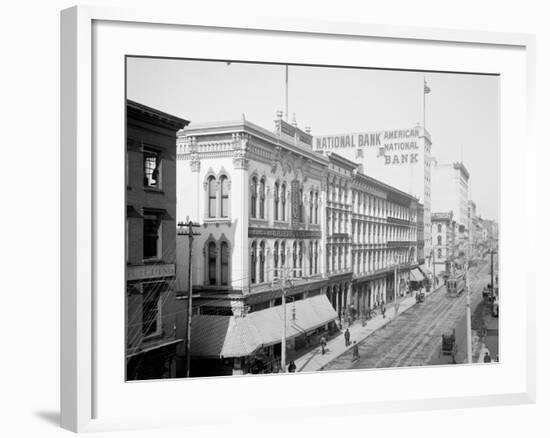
x=413, y=338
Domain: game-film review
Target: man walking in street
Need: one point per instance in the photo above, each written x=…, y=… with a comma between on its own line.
x=346, y=337
x=323, y=343
x=355, y=351
x=383, y=310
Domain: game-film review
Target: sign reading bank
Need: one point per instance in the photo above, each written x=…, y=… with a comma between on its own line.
x=399, y=146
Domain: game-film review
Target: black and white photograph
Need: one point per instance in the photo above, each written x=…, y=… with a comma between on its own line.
x=285, y=218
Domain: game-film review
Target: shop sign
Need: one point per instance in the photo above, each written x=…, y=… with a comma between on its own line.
x=150, y=271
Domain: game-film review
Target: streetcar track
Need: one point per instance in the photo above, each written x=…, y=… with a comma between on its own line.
x=414, y=337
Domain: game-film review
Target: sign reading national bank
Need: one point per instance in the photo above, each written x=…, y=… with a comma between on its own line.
x=399, y=146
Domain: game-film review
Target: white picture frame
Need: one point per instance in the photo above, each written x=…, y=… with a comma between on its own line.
x=84, y=368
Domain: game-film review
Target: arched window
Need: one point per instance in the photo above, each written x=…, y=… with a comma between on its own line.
x=316, y=258
x=283, y=202
x=311, y=207
x=211, y=197
x=224, y=191
x=262, y=261
x=439, y=228
x=310, y=258
x=340, y=252
x=301, y=205
x=212, y=255
x=301, y=259
x=294, y=258
x=439, y=240
x=316, y=208
x=276, y=259
x=224, y=250
x=253, y=196
x=283, y=254
x=253, y=257
x=262, y=198
x=276, y=202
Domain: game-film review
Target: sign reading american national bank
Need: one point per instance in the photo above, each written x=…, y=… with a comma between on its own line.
x=399, y=146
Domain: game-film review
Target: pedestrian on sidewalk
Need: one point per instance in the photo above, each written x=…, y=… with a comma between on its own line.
x=291, y=367
x=383, y=310
x=323, y=343
x=346, y=337
x=355, y=351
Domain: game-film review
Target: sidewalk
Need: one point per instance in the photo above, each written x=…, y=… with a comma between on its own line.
x=314, y=360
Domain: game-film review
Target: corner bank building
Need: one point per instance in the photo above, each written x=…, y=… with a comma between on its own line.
x=267, y=208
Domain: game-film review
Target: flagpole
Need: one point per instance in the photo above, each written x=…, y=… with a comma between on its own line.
x=286, y=93
x=424, y=106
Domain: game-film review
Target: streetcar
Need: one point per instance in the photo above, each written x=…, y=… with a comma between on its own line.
x=456, y=284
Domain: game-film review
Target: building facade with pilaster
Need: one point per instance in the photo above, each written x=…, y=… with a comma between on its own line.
x=277, y=218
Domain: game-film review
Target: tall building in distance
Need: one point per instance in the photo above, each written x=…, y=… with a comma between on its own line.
x=450, y=193
x=150, y=242
x=445, y=245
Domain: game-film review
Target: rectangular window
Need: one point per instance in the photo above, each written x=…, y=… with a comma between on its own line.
x=151, y=310
x=151, y=169
x=152, y=235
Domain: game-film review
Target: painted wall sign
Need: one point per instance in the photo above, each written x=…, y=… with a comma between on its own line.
x=399, y=146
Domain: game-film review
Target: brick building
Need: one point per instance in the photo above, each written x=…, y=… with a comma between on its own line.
x=150, y=242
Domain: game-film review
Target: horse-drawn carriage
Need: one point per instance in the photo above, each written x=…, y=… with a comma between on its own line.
x=448, y=345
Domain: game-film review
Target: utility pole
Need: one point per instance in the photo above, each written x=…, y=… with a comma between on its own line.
x=284, y=281
x=396, y=286
x=189, y=224
x=468, y=317
x=283, y=331
x=492, y=279
x=433, y=268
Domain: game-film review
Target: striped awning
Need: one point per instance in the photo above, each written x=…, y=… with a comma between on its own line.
x=233, y=336
x=417, y=275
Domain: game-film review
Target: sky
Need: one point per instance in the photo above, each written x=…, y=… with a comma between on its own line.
x=462, y=110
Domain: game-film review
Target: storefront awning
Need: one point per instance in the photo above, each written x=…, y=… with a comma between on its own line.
x=303, y=316
x=417, y=275
x=234, y=336
x=223, y=336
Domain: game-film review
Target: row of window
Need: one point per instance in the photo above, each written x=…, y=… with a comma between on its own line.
x=280, y=254
x=280, y=211
x=363, y=261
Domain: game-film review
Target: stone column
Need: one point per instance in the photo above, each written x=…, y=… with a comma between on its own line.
x=240, y=195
